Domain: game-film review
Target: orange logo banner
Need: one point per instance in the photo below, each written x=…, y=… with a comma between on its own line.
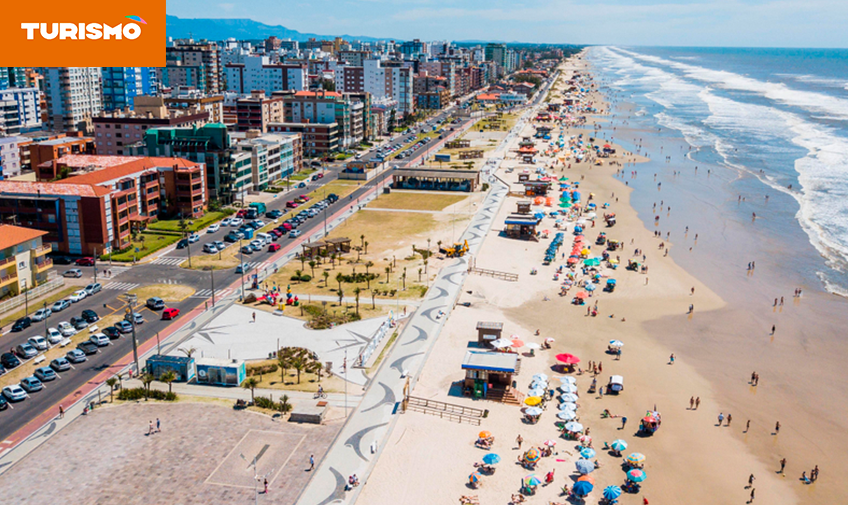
x=91, y=33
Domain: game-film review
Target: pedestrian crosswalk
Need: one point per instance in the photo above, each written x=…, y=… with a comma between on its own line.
x=167, y=281
x=166, y=260
x=113, y=270
x=207, y=293
x=256, y=265
x=121, y=286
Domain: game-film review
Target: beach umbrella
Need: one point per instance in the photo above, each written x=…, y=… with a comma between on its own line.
x=590, y=287
x=532, y=480
x=637, y=458
x=474, y=478
x=618, y=445
x=568, y=379
x=584, y=466
x=550, y=339
x=550, y=443
x=501, y=343
x=636, y=475
x=540, y=377
x=517, y=343
x=532, y=345
x=566, y=415
x=574, y=427
x=612, y=492
x=536, y=392
x=586, y=478
x=539, y=385
x=533, y=411
x=484, y=434
x=591, y=262
x=616, y=343
x=532, y=401
x=587, y=453
x=491, y=459
x=532, y=455
x=565, y=407
x=585, y=439
x=569, y=389
x=568, y=359
x=582, y=295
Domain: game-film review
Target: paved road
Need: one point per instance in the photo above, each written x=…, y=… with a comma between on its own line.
x=227, y=284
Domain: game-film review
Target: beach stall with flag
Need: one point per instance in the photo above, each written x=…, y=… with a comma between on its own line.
x=489, y=375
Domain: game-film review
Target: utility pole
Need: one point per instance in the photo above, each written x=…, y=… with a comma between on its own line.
x=241, y=267
x=131, y=299
x=94, y=259
x=26, y=299
x=45, y=319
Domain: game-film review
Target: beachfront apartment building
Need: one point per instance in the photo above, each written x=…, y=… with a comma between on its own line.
x=42, y=152
x=20, y=110
x=326, y=107
x=95, y=212
x=273, y=156
x=13, y=77
x=10, y=156
x=23, y=260
x=257, y=73
x=116, y=130
x=73, y=96
x=392, y=80
x=192, y=64
x=256, y=112
x=317, y=139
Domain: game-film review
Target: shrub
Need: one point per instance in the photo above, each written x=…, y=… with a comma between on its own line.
x=301, y=277
x=131, y=394
x=261, y=370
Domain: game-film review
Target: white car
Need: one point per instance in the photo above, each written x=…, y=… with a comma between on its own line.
x=99, y=339
x=38, y=342
x=77, y=296
x=215, y=227
x=194, y=237
x=66, y=329
x=14, y=393
x=54, y=336
x=41, y=314
x=236, y=221
x=226, y=221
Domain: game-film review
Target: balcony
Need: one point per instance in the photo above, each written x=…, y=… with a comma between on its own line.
x=8, y=279
x=7, y=262
x=42, y=250
x=44, y=265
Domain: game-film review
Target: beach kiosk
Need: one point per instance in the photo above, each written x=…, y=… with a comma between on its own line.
x=521, y=226
x=488, y=375
x=488, y=331
x=220, y=372
x=183, y=366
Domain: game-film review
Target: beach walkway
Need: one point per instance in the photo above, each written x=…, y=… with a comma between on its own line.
x=356, y=448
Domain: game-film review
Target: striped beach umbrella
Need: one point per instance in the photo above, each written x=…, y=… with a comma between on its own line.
x=637, y=458
x=618, y=445
x=612, y=492
x=587, y=452
x=532, y=455
x=636, y=475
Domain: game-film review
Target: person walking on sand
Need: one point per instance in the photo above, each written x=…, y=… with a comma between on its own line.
x=266, y=486
x=782, y=466
x=691, y=402
x=720, y=418
x=149, y=428
x=671, y=359
x=254, y=317
x=814, y=474
x=623, y=423
x=729, y=418
x=777, y=428
x=519, y=440
x=311, y=462
x=752, y=495
x=158, y=424
x=747, y=426
x=772, y=329
x=750, y=481
x=697, y=402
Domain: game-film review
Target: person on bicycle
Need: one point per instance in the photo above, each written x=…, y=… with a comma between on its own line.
x=320, y=390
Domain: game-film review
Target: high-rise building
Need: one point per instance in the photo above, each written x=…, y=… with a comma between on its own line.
x=73, y=97
x=12, y=77
x=497, y=53
x=257, y=73
x=122, y=84
x=395, y=82
x=21, y=110
x=192, y=64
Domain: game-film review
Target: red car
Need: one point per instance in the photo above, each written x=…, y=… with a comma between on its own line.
x=170, y=313
x=85, y=262
x=320, y=175
x=273, y=247
x=241, y=213
x=291, y=204
x=305, y=198
x=276, y=233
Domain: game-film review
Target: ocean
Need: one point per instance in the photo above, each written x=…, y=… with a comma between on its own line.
x=768, y=121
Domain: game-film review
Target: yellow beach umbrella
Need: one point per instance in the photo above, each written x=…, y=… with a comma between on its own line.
x=532, y=400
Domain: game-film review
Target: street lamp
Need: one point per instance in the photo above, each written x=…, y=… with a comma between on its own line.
x=45, y=319
x=241, y=268
x=212, y=279
x=131, y=300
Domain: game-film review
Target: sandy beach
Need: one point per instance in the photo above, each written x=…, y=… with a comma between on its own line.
x=690, y=459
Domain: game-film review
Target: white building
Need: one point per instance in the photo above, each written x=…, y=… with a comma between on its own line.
x=258, y=73
x=22, y=110
x=273, y=156
x=10, y=156
x=393, y=82
x=73, y=97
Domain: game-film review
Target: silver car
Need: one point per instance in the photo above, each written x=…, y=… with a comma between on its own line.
x=38, y=342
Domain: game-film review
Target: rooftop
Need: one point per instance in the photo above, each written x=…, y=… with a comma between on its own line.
x=133, y=166
x=89, y=160
x=48, y=189
x=491, y=361
x=11, y=235
x=64, y=140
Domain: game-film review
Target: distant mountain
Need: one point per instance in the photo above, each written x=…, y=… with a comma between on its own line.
x=240, y=29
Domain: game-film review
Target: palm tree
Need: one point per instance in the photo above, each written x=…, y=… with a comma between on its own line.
x=404, y=278
x=362, y=240
x=439, y=243
x=285, y=406
x=312, y=266
x=333, y=260
x=373, y=297
x=426, y=270
x=356, y=292
x=365, y=246
x=251, y=383
x=419, y=275
x=341, y=297
x=388, y=271
x=301, y=360
x=111, y=381
x=326, y=275
x=283, y=356
x=188, y=351
x=168, y=377
x=340, y=279
x=302, y=262
x=367, y=275
x=298, y=273
x=146, y=379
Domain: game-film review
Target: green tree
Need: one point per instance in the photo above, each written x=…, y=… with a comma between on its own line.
x=340, y=279
x=404, y=278
x=300, y=359
x=362, y=241
x=283, y=356
x=168, y=377
x=312, y=267
x=373, y=299
x=285, y=406
x=298, y=274
x=365, y=245
x=188, y=351
x=368, y=264
x=251, y=383
x=111, y=381
x=326, y=275
x=356, y=292
x=341, y=297
x=146, y=379
x=388, y=271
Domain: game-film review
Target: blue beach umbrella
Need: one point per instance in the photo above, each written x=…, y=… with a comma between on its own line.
x=612, y=492
x=584, y=466
x=587, y=453
x=618, y=445
x=540, y=377
x=566, y=415
x=536, y=392
x=582, y=488
x=491, y=459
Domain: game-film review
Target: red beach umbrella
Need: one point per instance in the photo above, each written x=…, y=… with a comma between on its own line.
x=568, y=359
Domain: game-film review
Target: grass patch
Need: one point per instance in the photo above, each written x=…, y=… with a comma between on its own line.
x=147, y=243
x=173, y=225
x=382, y=355
x=304, y=174
x=416, y=201
x=54, y=297
x=167, y=292
x=308, y=381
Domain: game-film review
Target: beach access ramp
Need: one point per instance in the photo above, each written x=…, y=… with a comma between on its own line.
x=449, y=411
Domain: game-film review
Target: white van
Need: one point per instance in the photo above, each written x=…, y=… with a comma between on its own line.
x=264, y=237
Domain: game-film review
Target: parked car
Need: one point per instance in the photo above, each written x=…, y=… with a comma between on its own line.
x=291, y=204
x=273, y=214
x=60, y=305
x=62, y=260
x=54, y=336
x=112, y=332
x=66, y=329
x=61, y=364
x=99, y=339
x=213, y=228
x=79, y=323
x=26, y=351
x=155, y=303
x=295, y=233
x=77, y=296
x=247, y=249
x=42, y=314
x=220, y=245
x=31, y=384
x=87, y=347
x=74, y=273
x=21, y=324
x=232, y=237
x=9, y=360
x=135, y=317
x=273, y=247
x=236, y=221
x=14, y=393
x=4, y=403
x=45, y=374
x=75, y=356
x=170, y=313
x=124, y=326
x=90, y=316
x=85, y=262
x=39, y=342
x=226, y=221
x=210, y=248
x=93, y=288
x=182, y=244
